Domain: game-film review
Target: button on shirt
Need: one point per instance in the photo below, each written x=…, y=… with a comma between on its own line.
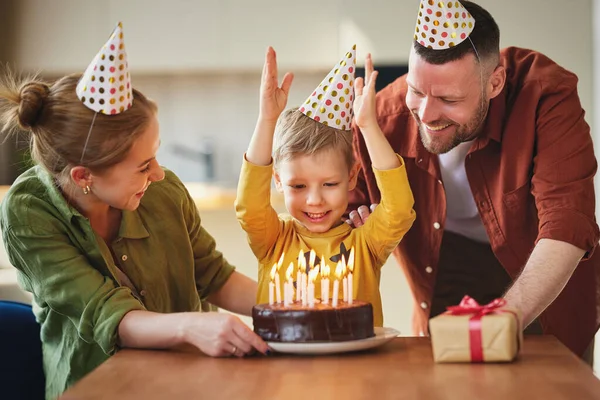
x=78, y=294
x=531, y=177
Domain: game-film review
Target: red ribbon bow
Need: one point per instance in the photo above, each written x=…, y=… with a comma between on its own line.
x=470, y=306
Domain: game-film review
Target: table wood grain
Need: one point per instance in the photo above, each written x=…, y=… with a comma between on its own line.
x=401, y=369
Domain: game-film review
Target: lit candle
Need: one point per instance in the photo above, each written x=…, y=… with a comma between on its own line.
x=324, y=282
x=350, y=279
x=304, y=289
x=312, y=276
x=299, y=276
x=303, y=282
x=336, y=284
x=344, y=280
x=277, y=282
x=288, y=286
x=272, y=286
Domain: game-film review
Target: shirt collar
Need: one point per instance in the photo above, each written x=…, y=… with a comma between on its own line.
x=132, y=226
x=55, y=195
x=494, y=122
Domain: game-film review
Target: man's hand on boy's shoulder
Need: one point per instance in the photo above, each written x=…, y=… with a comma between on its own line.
x=357, y=218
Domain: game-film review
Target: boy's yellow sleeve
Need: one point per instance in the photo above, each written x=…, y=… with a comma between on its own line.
x=253, y=208
x=394, y=215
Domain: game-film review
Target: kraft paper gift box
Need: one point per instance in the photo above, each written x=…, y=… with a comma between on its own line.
x=471, y=332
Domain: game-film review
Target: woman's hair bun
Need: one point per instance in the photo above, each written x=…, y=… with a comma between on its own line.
x=33, y=96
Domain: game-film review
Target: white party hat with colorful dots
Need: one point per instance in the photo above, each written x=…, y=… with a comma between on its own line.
x=443, y=24
x=105, y=86
x=331, y=102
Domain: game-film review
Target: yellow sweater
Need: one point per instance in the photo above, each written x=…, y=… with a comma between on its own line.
x=271, y=235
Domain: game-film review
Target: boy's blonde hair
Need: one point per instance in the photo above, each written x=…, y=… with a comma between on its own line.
x=296, y=134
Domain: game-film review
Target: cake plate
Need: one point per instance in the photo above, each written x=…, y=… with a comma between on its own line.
x=382, y=336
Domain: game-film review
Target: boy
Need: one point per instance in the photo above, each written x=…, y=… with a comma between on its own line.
x=313, y=166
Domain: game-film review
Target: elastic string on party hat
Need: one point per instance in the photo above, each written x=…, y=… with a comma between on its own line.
x=442, y=25
x=105, y=86
x=87, y=139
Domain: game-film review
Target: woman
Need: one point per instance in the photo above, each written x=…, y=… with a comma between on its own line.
x=109, y=243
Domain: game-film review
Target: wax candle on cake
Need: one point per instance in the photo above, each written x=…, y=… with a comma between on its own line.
x=272, y=285
x=277, y=281
x=324, y=281
x=350, y=277
x=312, y=276
x=344, y=280
x=336, y=284
x=299, y=276
x=304, y=282
x=288, y=286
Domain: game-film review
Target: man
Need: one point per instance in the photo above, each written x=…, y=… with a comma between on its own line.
x=501, y=164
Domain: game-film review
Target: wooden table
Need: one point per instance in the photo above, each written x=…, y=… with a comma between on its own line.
x=401, y=369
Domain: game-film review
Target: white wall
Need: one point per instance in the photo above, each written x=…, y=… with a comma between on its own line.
x=223, y=106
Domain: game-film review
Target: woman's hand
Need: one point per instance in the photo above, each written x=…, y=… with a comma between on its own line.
x=221, y=335
x=273, y=98
x=215, y=334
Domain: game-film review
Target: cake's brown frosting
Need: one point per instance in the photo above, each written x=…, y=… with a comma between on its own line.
x=322, y=323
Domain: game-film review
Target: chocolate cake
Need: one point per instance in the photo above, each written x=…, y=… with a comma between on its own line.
x=321, y=323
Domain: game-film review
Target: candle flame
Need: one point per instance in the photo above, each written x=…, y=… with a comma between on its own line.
x=322, y=267
x=312, y=274
x=351, y=260
x=273, y=271
x=302, y=262
x=325, y=271
x=339, y=269
x=311, y=259
x=289, y=271
x=280, y=262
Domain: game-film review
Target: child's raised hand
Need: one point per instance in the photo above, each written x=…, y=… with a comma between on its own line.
x=273, y=98
x=365, y=114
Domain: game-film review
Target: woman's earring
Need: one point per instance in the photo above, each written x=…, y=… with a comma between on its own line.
x=86, y=190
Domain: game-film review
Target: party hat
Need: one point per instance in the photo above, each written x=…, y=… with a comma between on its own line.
x=105, y=87
x=331, y=102
x=443, y=24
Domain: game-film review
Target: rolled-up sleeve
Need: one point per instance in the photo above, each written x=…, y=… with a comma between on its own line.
x=60, y=275
x=564, y=169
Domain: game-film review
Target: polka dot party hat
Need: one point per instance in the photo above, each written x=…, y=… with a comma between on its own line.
x=443, y=24
x=105, y=87
x=331, y=102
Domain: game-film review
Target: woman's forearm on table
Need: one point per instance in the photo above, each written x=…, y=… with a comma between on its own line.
x=146, y=329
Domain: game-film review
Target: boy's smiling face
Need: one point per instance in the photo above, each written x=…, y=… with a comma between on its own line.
x=315, y=188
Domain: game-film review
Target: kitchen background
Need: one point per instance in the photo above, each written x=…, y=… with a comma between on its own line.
x=201, y=61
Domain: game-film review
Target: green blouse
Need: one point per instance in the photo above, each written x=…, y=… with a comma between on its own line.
x=79, y=294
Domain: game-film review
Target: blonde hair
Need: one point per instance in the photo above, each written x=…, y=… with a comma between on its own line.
x=296, y=134
x=59, y=123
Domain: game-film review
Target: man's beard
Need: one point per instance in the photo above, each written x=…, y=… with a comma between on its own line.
x=463, y=133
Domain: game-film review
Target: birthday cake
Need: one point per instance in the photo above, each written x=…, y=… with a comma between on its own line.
x=320, y=323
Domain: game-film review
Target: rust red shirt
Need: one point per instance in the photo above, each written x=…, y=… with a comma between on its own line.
x=531, y=173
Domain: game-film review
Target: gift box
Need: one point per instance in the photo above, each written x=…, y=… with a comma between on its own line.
x=471, y=332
